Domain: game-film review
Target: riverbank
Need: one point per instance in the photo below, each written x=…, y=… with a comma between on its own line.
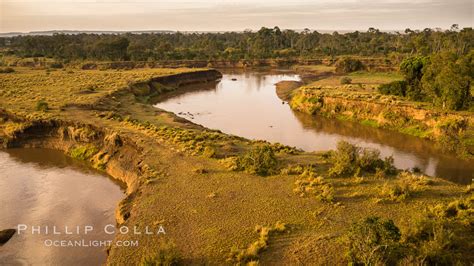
x=359, y=102
x=176, y=177
x=373, y=64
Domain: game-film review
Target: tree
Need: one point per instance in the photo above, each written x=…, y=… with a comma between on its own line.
x=347, y=65
x=412, y=69
x=447, y=80
x=111, y=48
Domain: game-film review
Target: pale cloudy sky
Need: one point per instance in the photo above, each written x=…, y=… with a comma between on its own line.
x=215, y=15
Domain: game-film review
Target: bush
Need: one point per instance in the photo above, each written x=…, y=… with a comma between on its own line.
x=249, y=255
x=231, y=163
x=308, y=184
x=374, y=241
x=406, y=185
x=443, y=235
x=42, y=105
x=347, y=65
x=344, y=159
x=209, y=152
x=167, y=255
x=451, y=131
x=346, y=80
x=261, y=161
x=398, y=88
x=56, y=65
x=369, y=160
x=7, y=70
x=349, y=159
x=396, y=192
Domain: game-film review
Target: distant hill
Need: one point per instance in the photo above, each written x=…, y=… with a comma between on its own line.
x=51, y=32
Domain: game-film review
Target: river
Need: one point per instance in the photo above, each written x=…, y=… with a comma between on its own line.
x=43, y=189
x=246, y=104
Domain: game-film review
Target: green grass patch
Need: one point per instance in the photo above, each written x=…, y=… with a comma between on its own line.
x=83, y=152
x=415, y=131
x=369, y=122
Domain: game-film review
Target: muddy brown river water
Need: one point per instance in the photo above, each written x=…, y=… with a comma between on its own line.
x=41, y=188
x=246, y=104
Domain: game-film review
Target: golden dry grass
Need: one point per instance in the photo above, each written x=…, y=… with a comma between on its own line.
x=366, y=79
x=21, y=90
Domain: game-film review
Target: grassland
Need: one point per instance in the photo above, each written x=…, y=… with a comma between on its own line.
x=184, y=179
x=23, y=89
x=315, y=69
x=368, y=80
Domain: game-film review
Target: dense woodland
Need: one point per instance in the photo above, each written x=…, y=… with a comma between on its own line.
x=438, y=65
x=444, y=79
x=265, y=43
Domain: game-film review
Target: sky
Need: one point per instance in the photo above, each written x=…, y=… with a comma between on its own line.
x=214, y=15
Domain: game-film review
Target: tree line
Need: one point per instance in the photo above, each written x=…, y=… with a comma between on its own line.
x=265, y=43
x=444, y=79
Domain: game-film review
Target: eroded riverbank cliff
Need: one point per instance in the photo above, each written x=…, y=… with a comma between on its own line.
x=454, y=131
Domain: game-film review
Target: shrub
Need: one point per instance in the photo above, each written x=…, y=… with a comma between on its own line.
x=347, y=65
x=443, y=235
x=406, y=185
x=346, y=80
x=373, y=241
x=308, y=184
x=396, y=192
x=297, y=169
x=388, y=166
x=250, y=254
x=349, y=159
x=344, y=159
x=231, y=163
x=56, y=65
x=167, y=255
x=42, y=105
x=369, y=160
x=7, y=70
x=209, y=152
x=261, y=160
x=398, y=88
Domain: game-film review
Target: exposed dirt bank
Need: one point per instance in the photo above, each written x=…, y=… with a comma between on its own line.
x=5, y=235
x=453, y=130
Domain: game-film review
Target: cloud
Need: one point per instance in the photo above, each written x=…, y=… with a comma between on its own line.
x=18, y=15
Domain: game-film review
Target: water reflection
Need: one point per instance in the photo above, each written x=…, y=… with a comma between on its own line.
x=246, y=104
x=40, y=187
